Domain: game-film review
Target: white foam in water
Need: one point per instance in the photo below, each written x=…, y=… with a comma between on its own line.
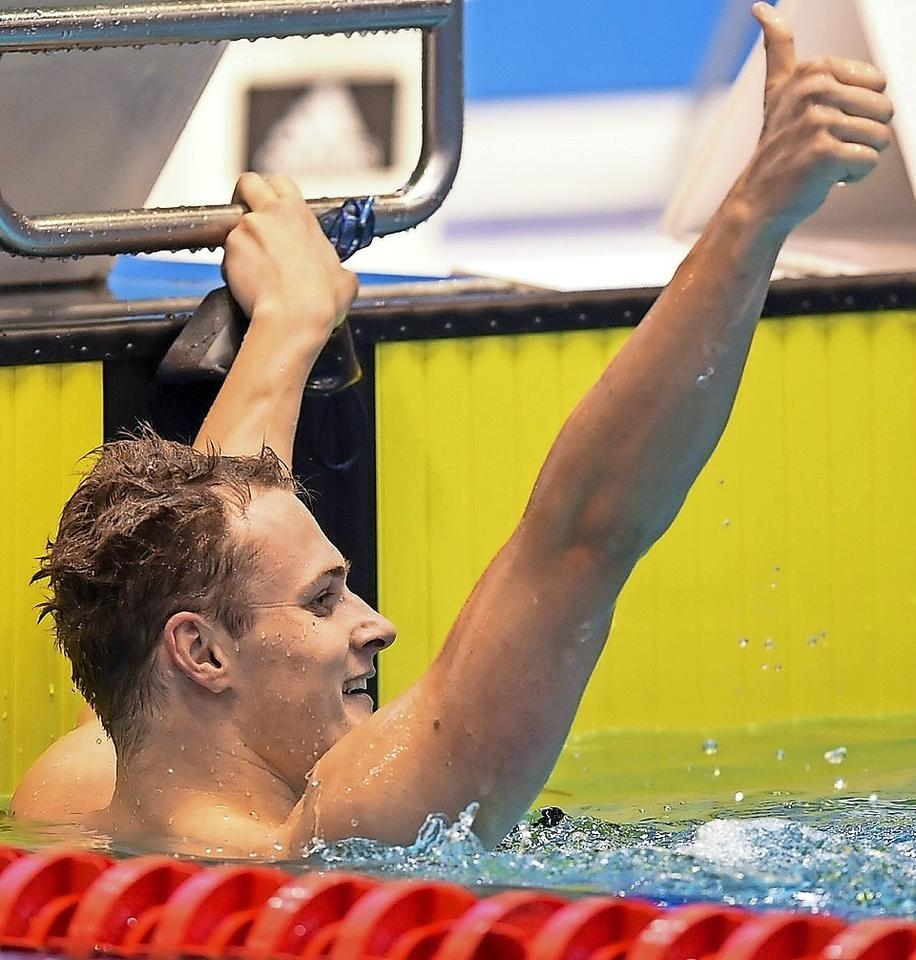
x=734, y=842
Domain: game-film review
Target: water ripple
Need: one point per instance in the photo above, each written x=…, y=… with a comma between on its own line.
x=853, y=858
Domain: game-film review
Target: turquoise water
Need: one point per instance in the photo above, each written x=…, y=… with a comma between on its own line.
x=853, y=857
x=814, y=818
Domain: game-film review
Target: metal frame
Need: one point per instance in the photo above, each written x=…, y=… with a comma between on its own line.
x=148, y=230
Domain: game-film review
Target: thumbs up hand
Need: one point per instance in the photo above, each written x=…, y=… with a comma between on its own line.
x=826, y=122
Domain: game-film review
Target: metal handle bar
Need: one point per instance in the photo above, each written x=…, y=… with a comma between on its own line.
x=178, y=228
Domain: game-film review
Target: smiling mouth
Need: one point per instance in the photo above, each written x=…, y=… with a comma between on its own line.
x=355, y=686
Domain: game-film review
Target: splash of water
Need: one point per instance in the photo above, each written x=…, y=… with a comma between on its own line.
x=850, y=857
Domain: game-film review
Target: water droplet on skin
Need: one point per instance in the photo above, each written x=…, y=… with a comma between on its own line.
x=839, y=784
x=703, y=378
x=717, y=772
x=726, y=522
x=739, y=796
x=710, y=747
x=836, y=756
x=253, y=814
x=279, y=848
x=171, y=770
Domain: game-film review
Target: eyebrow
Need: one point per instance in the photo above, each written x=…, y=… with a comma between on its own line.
x=338, y=572
x=334, y=573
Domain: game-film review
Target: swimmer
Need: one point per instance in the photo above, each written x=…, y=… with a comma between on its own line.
x=209, y=619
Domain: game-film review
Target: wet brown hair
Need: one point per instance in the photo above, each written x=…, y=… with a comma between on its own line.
x=147, y=535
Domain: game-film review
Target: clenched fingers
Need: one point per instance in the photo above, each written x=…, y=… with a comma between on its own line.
x=253, y=191
x=854, y=161
x=825, y=89
x=285, y=187
x=856, y=73
x=850, y=129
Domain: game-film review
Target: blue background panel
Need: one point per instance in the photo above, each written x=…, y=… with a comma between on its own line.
x=524, y=48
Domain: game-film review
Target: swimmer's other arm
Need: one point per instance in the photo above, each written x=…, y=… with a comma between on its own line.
x=288, y=279
x=488, y=719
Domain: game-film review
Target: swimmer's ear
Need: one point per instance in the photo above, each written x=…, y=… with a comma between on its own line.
x=195, y=647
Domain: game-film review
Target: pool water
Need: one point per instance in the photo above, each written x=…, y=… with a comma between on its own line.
x=849, y=857
x=818, y=818
x=811, y=816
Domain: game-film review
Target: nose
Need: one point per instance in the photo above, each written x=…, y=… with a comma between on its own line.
x=372, y=630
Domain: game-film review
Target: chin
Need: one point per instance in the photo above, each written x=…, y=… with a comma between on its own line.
x=358, y=705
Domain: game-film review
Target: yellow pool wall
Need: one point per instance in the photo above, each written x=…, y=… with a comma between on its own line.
x=50, y=416
x=785, y=589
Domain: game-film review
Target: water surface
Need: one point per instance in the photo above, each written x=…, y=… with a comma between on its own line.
x=815, y=817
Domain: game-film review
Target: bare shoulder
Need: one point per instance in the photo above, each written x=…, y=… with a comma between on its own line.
x=73, y=777
x=200, y=826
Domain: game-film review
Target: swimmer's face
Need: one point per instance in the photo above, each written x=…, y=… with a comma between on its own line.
x=303, y=668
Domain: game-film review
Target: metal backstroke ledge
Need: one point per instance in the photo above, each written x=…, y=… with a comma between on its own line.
x=149, y=230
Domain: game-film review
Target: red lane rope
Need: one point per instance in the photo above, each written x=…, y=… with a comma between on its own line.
x=80, y=905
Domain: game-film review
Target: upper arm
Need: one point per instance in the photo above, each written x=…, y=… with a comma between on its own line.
x=488, y=719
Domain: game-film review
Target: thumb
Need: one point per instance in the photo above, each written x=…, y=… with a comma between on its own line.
x=778, y=42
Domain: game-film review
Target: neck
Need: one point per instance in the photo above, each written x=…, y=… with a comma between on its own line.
x=174, y=770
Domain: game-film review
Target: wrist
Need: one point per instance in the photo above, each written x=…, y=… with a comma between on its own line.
x=752, y=212
x=752, y=224
x=294, y=325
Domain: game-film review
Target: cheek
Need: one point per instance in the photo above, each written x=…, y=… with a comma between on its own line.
x=301, y=659
x=303, y=648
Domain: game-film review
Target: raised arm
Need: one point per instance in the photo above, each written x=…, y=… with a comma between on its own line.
x=489, y=718
x=287, y=278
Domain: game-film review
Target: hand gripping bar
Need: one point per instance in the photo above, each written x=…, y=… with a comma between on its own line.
x=193, y=21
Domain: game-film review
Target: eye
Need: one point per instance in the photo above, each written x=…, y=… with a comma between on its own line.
x=325, y=601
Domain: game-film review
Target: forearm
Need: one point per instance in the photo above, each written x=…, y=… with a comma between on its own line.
x=260, y=400
x=629, y=453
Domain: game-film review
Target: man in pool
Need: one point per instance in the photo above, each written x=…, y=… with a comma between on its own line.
x=209, y=620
